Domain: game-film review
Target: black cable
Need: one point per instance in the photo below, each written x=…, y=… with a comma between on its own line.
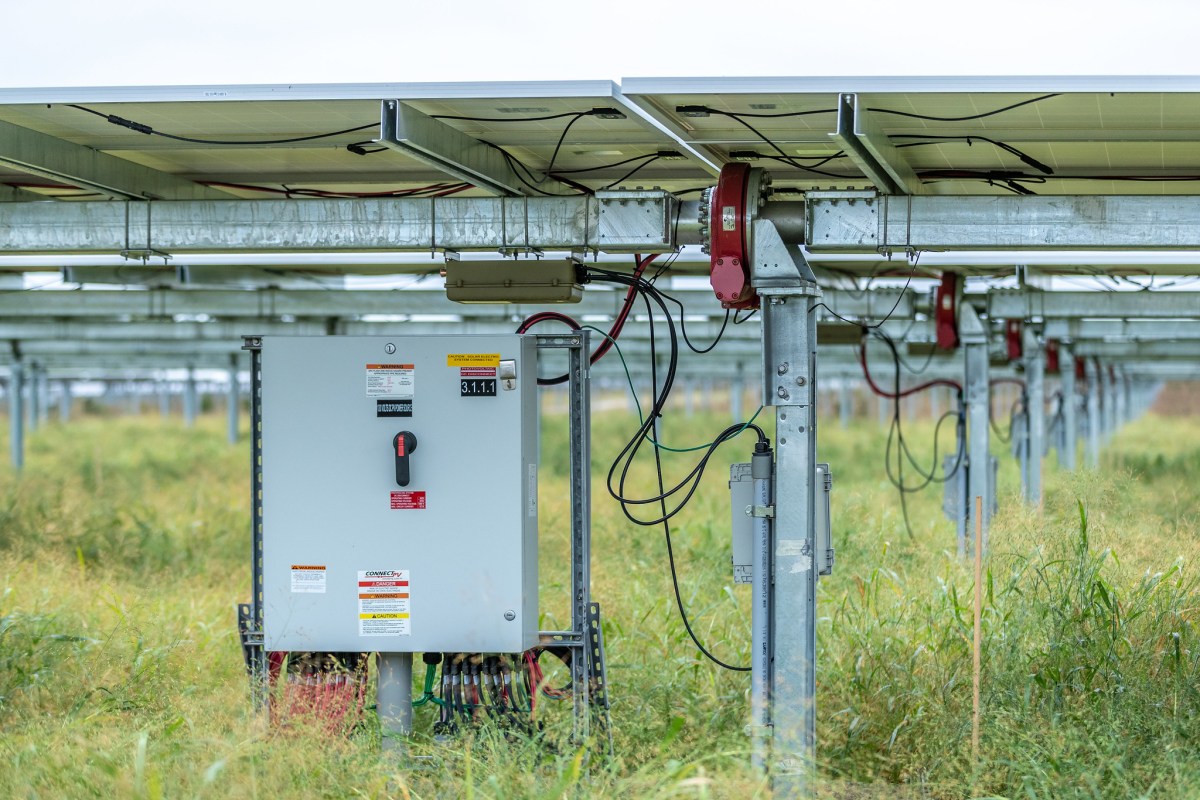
x=1008, y=148
x=875, y=326
x=683, y=324
x=667, y=524
x=149, y=131
x=510, y=119
x=967, y=118
x=606, y=166
x=632, y=172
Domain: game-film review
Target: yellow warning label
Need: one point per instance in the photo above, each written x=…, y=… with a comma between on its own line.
x=383, y=616
x=472, y=359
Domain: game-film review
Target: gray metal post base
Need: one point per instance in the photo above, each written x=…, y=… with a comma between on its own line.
x=394, y=699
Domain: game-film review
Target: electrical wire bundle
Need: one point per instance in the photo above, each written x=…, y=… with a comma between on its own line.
x=897, y=455
x=325, y=690
x=618, y=478
x=502, y=689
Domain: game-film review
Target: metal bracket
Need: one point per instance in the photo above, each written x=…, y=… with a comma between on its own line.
x=252, y=342
x=767, y=512
x=251, y=635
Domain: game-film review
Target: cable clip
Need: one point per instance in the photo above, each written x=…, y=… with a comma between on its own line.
x=767, y=512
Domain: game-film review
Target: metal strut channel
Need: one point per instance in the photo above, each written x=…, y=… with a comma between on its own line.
x=251, y=625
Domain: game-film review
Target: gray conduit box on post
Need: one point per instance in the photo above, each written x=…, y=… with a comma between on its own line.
x=400, y=493
x=741, y=503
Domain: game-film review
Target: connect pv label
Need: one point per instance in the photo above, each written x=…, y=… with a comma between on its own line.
x=383, y=597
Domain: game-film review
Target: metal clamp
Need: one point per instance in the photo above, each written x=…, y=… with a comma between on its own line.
x=767, y=512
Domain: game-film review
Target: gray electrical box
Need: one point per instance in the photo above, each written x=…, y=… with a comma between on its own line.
x=741, y=496
x=400, y=493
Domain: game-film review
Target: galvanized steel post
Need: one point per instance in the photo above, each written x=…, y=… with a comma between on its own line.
x=1035, y=393
x=975, y=355
x=1066, y=360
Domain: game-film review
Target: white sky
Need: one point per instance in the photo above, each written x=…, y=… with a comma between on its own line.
x=171, y=42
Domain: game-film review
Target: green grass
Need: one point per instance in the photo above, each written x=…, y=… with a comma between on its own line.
x=123, y=549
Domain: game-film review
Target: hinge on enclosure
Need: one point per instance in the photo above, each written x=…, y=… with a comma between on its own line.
x=761, y=511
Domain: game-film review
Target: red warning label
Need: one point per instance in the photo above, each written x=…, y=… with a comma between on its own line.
x=404, y=500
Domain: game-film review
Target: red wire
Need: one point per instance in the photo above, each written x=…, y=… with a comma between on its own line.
x=862, y=359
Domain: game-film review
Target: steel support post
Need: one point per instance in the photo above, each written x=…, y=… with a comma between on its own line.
x=1035, y=413
x=789, y=365
x=393, y=695
x=737, y=390
x=974, y=339
x=580, y=438
x=845, y=403
x=1120, y=398
x=1131, y=411
x=190, y=399
x=1066, y=358
x=762, y=473
x=1092, y=372
x=35, y=405
x=164, y=399
x=16, y=414
x=43, y=389
x=64, y=402
x=1107, y=403
x=233, y=402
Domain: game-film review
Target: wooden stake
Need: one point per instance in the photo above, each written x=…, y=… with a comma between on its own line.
x=975, y=672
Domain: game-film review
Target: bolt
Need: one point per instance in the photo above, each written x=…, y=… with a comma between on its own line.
x=510, y=615
x=389, y=348
x=782, y=368
x=783, y=393
x=800, y=380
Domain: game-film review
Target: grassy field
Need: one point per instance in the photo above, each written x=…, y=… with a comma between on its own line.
x=123, y=549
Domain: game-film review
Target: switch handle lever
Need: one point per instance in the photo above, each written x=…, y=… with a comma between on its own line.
x=403, y=445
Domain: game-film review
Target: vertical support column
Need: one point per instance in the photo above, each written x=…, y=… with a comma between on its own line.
x=1132, y=412
x=762, y=473
x=737, y=390
x=164, y=398
x=64, y=402
x=1107, y=403
x=43, y=389
x=257, y=655
x=190, y=403
x=789, y=371
x=233, y=414
x=935, y=403
x=393, y=694
x=35, y=405
x=579, y=436
x=1035, y=392
x=1121, y=398
x=845, y=403
x=16, y=413
x=1066, y=361
x=1092, y=372
x=973, y=336
x=689, y=397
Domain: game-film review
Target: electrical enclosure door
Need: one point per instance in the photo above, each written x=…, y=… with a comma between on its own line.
x=353, y=561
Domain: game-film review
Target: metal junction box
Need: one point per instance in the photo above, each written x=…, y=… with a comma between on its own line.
x=400, y=493
x=741, y=494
